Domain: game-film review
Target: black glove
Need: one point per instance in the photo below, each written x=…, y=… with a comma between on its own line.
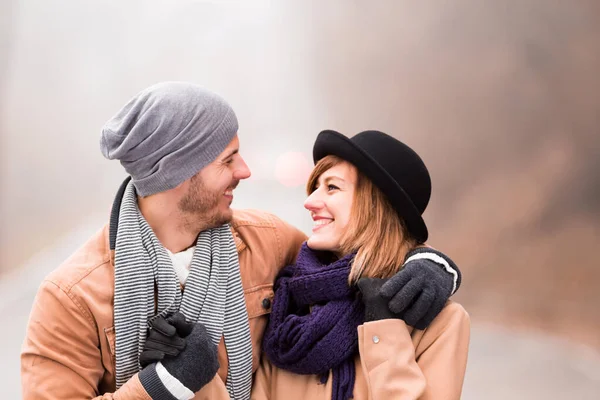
x=194, y=366
x=165, y=337
x=419, y=291
x=376, y=307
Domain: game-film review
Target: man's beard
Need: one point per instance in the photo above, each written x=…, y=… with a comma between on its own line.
x=202, y=207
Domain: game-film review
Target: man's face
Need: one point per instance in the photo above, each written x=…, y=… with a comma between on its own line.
x=210, y=191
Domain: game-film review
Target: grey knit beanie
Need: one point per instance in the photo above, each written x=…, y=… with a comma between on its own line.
x=167, y=133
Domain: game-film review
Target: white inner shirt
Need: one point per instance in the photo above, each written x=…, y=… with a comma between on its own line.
x=182, y=262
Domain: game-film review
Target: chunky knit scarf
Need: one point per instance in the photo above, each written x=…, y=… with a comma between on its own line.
x=314, y=320
x=213, y=294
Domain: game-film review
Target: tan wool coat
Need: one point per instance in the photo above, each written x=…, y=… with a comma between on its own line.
x=395, y=361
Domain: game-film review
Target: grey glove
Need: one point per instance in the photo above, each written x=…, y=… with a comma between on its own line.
x=419, y=291
x=194, y=366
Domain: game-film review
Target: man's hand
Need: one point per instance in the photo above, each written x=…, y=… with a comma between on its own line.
x=195, y=365
x=198, y=363
x=166, y=337
x=419, y=291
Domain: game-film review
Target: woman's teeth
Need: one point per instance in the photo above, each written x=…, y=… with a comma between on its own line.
x=321, y=222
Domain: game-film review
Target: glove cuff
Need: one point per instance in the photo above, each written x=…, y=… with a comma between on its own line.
x=376, y=312
x=439, y=258
x=153, y=385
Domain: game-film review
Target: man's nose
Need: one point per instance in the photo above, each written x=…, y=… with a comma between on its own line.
x=242, y=171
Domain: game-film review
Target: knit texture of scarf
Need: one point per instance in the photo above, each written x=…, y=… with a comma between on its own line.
x=213, y=294
x=314, y=320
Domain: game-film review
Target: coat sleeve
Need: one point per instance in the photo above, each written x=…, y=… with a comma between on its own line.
x=387, y=356
x=61, y=356
x=261, y=389
x=435, y=369
x=442, y=353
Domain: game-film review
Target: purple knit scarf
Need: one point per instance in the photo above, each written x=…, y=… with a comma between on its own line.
x=323, y=338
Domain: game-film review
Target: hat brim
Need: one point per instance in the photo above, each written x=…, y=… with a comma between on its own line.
x=330, y=142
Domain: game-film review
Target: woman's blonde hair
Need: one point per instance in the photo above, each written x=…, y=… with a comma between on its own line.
x=375, y=231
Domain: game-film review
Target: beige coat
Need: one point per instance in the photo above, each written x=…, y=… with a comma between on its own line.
x=394, y=362
x=69, y=349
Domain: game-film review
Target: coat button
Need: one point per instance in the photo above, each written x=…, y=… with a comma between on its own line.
x=375, y=339
x=266, y=303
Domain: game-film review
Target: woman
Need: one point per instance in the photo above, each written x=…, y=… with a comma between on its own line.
x=331, y=334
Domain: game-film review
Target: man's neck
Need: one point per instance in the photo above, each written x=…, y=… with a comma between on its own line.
x=171, y=228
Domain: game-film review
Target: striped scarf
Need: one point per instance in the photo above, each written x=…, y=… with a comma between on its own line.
x=213, y=294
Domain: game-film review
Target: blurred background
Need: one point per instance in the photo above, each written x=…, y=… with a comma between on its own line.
x=501, y=99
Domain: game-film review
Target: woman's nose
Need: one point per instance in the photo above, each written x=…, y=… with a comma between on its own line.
x=313, y=202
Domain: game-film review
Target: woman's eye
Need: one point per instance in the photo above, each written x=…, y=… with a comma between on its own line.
x=332, y=187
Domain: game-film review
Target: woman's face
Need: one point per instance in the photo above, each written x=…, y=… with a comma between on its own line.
x=329, y=205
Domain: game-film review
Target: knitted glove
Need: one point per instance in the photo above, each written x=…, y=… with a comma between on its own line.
x=419, y=291
x=194, y=366
x=376, y=307
x=166, y=337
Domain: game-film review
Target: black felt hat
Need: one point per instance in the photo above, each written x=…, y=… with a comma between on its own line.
x=391, y=165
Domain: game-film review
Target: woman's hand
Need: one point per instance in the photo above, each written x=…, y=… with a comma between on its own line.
x=376, y=306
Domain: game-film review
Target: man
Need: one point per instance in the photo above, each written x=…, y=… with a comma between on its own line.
x=114, y=322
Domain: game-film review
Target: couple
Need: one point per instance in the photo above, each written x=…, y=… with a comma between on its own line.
x=358, y=310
